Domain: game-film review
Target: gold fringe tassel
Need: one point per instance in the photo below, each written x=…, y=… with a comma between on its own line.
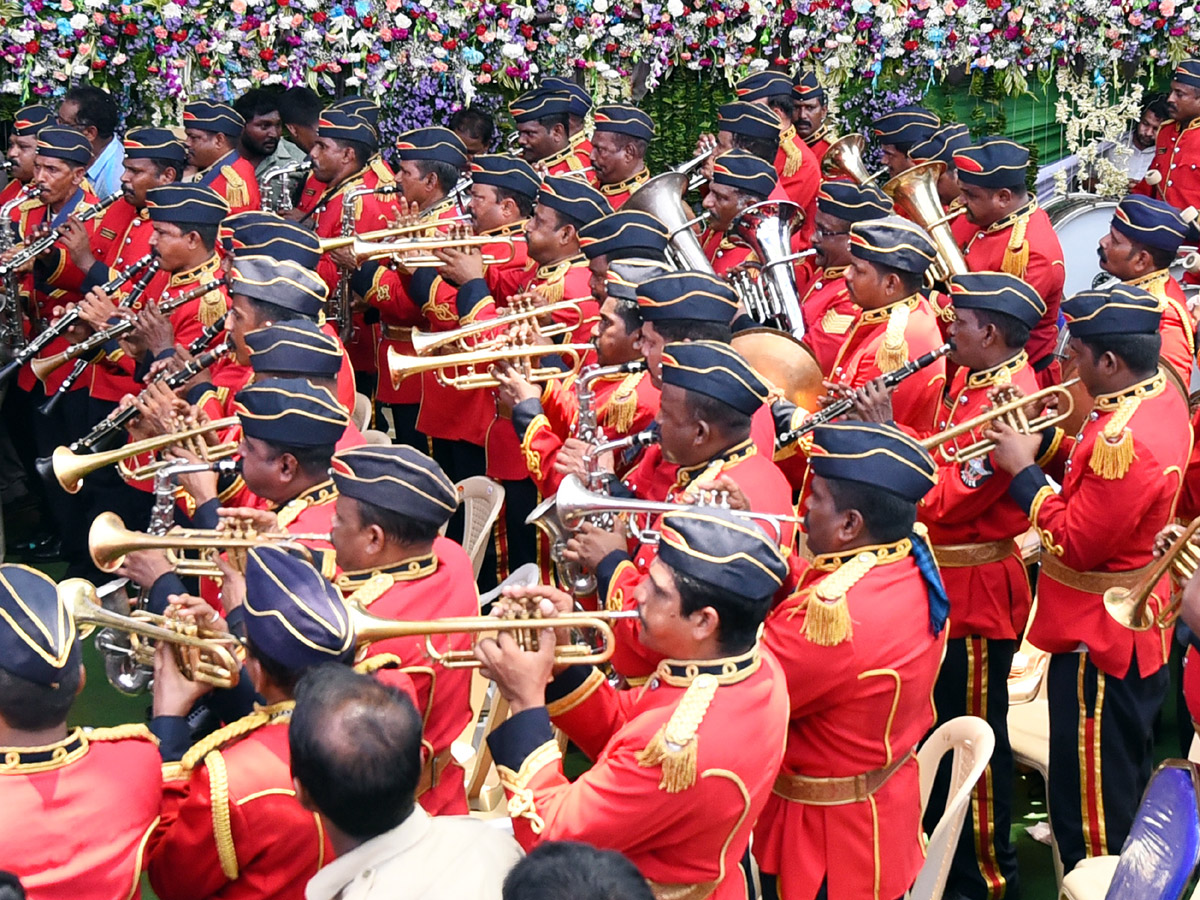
x=793, y=157
x=622, y=405
x=827, y=621
x=675, y=746
x=893, y=352
x=236, y=192
x=1016, y=254
x=1113, y=452
x=212, y=306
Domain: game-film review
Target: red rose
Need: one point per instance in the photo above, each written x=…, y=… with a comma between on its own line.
x=266, y=53
x=610, y=47
x=450, y=44
x=179, y=36
x=32, y=47
x=368, y=21
x=527, y=30
x=205, y=62
x=320, y=17
x=131, y=29
x=481, y=30
x=712, y=21
x=373, y=58
x=99, y=63
x=910, y=46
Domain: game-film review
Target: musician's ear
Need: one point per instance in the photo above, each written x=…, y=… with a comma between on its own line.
x=852, y=526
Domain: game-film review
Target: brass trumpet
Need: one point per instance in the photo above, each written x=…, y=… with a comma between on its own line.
x=426, y=342
x=109, y=541
x=202, y=655
x=521, y=355
x=71, y=468
x=423, y=247
x=368, y=629
x=1012, y=412
x=383, y=234
x=1131, y=606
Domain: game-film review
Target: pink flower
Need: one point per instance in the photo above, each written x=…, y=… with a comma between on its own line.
x=439, y=66
x=1166, y=8
x=238, y=7
x=160, y=33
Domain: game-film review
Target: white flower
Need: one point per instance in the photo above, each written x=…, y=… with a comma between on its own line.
x=675, y=8
x=241, y=84
x=172, y=11
x=600, y=6
x=80, y=21
x=512, y=51
x=758, y=64
x=696, y=18
x=525, y=13
x=612, y=74
x=362, y=39
x=1001, y=63
x=10, y=87
x=581, y=41
x=618, y=30
x=310, y=37
x=557, y=27
x=744, y=33
x=403, y=21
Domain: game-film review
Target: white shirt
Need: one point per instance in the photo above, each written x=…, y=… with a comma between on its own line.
x=422, y=858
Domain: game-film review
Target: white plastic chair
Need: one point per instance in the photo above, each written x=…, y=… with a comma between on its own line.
x=971, y=741
x=361, y=416
x=482, y=499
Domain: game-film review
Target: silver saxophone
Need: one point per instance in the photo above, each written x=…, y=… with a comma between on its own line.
x=278, y=185
x=12, y=334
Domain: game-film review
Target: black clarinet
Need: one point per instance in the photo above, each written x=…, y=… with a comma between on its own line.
x=839, y=408
x=81, y=365
x=102, y=435
x=69, y=318
x=207, y=335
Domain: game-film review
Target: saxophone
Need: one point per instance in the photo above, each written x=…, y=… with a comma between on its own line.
x=277, y=185
x=340, y=309
x=12, y=335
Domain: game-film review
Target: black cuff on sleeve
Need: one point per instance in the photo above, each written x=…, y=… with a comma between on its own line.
x=94, y=277
x=235, y=621
x=744, y=323
x=568, y=680
x=364, y=277
x=206, y=514
x=523, y=415
x=470, y=295
x=523, y=733
x=174, y=736
x=1025, y=486
x=607, y=568
x=164, y=586
x=421, y=285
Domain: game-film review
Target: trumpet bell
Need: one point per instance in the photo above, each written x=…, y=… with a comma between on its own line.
x=785, y=362
x=915, y=192
x=662, y=197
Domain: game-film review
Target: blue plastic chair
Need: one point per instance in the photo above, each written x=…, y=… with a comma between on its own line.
x=1161, y=853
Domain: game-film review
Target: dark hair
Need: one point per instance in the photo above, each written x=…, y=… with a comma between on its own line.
x=273, y=312
x=29, y=706
x=640, y=145
x=785, y=103
x=740, y=617
x=629, y=313
x=524, y=201
x=901, y=146
x=161, y=166
x=1157, y=105
x=356, y=749
x=396, y=526
x=476, y=122
x=1013, y=331
x=764, y=148
x=1161, y=258
x=257, y=102
x=717, y=414
x=910, y=281
x=96, y=108
x=447, y=175
x=10, y=887
x=568, y=870
x=1139, y=352
x=886, y=516
x=548, y=122
x=300, y=106
x=690, y=330
x=362, y=152
x=207, y=233
x=283, y=677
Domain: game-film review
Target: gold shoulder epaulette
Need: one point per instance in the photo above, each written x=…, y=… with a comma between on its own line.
x=380, y=168
x=1016, y=254
x=223, y=736
x=622, y=404
x=130, y=732
x=827, y=620
x=893, y=351
x=370, y=591
x=834, y=322
x=373, y=664
x=218, y=789
x=675, y=746
x=793, y=156
x=1113, y=452
x=235, y=187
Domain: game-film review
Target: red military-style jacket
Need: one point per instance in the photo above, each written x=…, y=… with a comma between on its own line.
x=1178, y=329
x=1176, y=157
x=433, y=586
x=1026, y=241
x=681, y=812
x=233, y=178
x=624, y=405
x=971, y=519
x=376, y=173
x=619, y=573
x=818, y=147
x=231, y=825
x=1129, y=458
x=621, y=191
x=859, y=706
x=799, y=172
x=828, y=314
x=725, y=253
x=575, y=157
x=78, y=813
x=915, y=400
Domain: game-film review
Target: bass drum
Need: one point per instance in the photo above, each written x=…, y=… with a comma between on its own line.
x=785, y=362
x=1080, y=220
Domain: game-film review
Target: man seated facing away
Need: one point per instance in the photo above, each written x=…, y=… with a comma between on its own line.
x=859, y=643
x=570, y=870
x=78, y=803
x=678, y=780
x=391, y=502
x=355, y=749
x=231, y=826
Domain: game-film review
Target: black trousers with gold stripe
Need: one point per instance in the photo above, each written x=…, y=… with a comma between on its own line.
x=973, y=681
x=1101, y=752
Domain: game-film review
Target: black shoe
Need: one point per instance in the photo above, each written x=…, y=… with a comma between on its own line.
x=47, y=549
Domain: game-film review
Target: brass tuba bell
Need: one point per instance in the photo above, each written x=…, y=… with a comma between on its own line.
x=662, y=197
x=915, y=192
x=844, y=158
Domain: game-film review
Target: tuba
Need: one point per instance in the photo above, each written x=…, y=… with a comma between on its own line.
x=662, y=197
x=915, y=192
x=766, y=228
x=844, y=159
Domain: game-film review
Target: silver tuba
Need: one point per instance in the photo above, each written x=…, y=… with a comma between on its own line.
x=662, y=197
x=773, y=298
